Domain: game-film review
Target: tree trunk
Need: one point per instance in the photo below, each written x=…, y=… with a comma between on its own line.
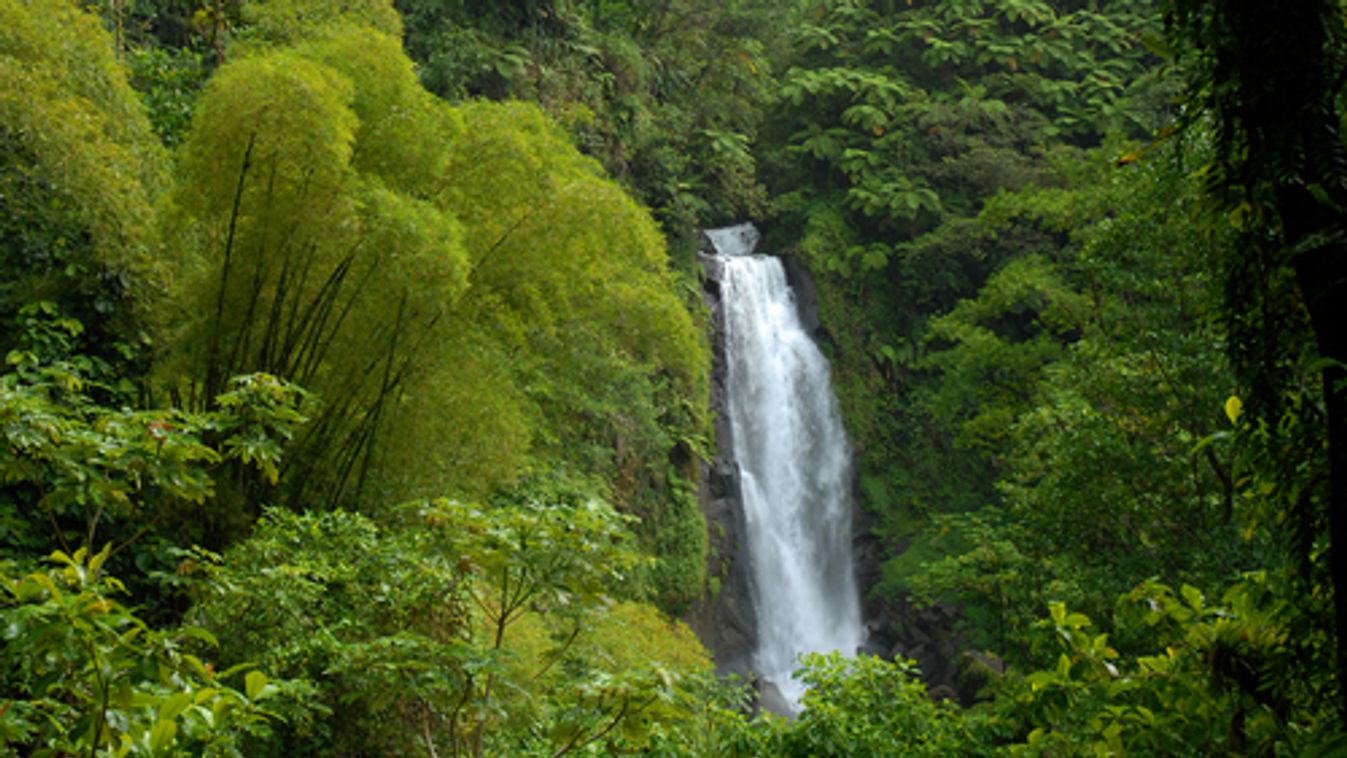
x=1281, y=58
x=1322, y=276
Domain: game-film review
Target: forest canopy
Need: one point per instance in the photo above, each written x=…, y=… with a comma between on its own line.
x=357, y=373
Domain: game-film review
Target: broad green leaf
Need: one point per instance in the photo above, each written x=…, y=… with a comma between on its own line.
x=162, y=736
x=253, y=683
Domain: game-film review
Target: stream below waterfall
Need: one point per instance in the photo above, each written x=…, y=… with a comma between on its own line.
x=794, y=464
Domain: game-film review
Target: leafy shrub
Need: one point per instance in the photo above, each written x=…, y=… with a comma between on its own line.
x=83, y=675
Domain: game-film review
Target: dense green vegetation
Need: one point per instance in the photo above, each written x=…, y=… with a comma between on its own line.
x=356, y=375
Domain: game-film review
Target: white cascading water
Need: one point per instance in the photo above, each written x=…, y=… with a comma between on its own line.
x=794, y=464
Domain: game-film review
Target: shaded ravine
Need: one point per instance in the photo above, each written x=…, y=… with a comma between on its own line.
x=794, y=467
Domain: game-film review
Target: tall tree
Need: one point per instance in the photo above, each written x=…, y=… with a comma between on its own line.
x=312, y=251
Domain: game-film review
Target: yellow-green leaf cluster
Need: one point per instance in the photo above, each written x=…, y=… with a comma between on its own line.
x=469, y=299
x=556, y=246
x=312, y=245
x=288, y=21
x=76, y=139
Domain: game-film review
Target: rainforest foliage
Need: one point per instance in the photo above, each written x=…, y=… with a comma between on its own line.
x=356, y=371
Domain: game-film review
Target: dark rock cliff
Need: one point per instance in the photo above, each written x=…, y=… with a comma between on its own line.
x=724, y=619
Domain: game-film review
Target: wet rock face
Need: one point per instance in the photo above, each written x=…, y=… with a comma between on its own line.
x=772, y=701
x=925, y=635
x=806, y=295
x=724, y=619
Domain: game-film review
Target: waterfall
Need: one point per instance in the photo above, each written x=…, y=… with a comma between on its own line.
x=794, y=466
